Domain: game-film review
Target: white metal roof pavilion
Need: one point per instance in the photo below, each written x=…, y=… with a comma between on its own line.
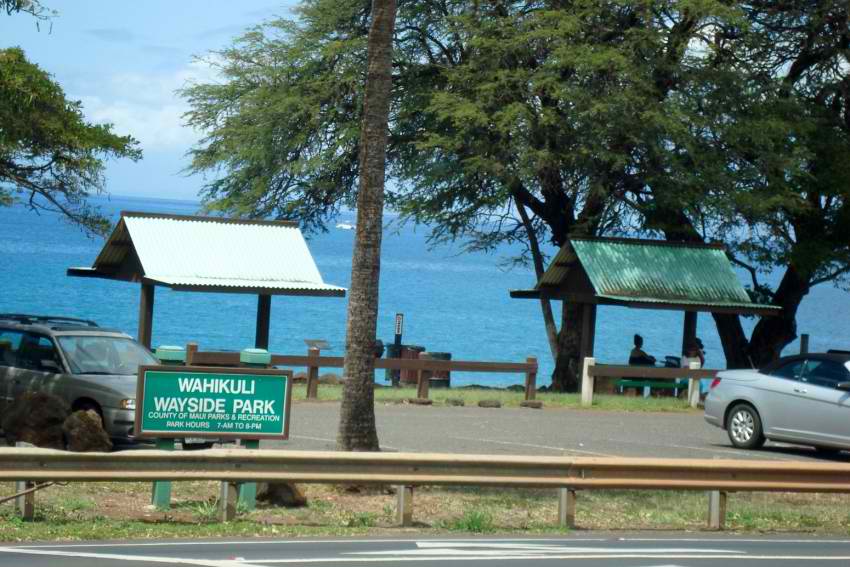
x=209, y=254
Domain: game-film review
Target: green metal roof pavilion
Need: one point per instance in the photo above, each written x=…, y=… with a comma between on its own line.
x=650, y=274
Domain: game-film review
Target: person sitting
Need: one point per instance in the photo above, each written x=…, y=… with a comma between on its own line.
x=638, y=357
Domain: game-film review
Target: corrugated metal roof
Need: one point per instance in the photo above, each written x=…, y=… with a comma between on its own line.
x=657, y=272
x=647, y=273
x=200, y=252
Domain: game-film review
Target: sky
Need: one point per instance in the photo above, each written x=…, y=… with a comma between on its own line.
x=125, y=60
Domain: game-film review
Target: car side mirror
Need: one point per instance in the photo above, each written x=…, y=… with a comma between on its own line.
x=48, y=365
x=843, y=386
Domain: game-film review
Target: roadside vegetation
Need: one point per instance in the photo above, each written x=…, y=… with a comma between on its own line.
x=91, y=511
x=508, y=398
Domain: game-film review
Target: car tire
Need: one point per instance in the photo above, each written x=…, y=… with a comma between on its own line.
x=196, y=446
x=743, y=424
x=827, y=451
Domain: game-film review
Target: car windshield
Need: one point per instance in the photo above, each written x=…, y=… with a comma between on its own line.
x=88, y=354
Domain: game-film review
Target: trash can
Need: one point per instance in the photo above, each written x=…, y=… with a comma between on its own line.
x=255, y=358
x=171, y=355
x=411, y=352
x=440, y=378
x=390, y=375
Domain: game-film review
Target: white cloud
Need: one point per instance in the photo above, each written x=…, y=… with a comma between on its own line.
x=146, y=105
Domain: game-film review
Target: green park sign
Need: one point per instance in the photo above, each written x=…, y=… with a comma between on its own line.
x=194, y=401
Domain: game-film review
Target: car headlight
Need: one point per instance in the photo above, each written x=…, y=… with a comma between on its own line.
x=129, y=403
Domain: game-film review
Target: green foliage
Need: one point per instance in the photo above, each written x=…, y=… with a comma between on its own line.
x=474, y=521
x=50, y=158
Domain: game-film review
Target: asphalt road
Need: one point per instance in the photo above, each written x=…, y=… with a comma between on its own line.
x=578, y=551
x=520, y=431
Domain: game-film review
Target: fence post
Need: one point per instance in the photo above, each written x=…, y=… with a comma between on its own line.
x=313, y=375
x=191, y=349
x=804, y=343
x=423, y=382
x=567, y=508
x=717, y=510
x=587, y=382
x=404, y=506
x=693, y=386
x=531, y=379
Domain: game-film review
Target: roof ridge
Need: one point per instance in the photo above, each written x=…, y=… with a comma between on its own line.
x=650, y=242
x=206, y=218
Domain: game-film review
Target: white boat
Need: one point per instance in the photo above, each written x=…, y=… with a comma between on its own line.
x=345, y=226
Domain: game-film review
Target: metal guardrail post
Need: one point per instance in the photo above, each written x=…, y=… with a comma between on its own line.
x=587, y=382
x=567, y=508
x=531, y=379
x=717, y=509
x=313, y=375
x=25, y=504
x=404, y=506
x=227, y=501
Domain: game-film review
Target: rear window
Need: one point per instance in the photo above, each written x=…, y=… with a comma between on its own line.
x=10, y=345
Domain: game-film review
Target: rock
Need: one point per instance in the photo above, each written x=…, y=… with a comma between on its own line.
x=299, y=378
x=36, y=418
x=330, y=379
x=420, y=401
x=286, y=494
x=489, y=404
x=84, y=432
x=455, y=402
x=533, y=404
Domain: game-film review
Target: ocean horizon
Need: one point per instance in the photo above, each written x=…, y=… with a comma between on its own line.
x=453, y=301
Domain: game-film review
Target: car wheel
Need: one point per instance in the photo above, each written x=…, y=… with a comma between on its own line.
x=196, y=446
x=828, y=451
x=744, y=427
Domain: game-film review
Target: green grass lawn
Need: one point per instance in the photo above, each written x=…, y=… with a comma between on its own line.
x=508, y=398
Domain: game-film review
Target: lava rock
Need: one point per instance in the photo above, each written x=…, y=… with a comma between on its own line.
x=455, y=402
x=36, y=418
x=84, y=432
x=533, y=404
x=286, y=494
x=489, y=404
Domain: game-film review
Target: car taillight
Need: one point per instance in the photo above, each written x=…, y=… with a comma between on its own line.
x=714, y=383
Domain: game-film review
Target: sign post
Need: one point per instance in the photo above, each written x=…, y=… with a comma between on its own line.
x=399, y=327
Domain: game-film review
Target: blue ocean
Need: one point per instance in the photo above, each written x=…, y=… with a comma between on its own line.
x=453, y=301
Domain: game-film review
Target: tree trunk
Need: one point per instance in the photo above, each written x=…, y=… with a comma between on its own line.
x=565, y=377
x=357, y=431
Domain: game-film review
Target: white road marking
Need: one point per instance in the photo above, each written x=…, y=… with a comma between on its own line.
x=129, y=558
x=735, y=540
x=289, y=542
x=533, y=445
x=550, y=557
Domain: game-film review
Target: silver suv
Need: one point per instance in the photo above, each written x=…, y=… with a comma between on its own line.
x=87, y=366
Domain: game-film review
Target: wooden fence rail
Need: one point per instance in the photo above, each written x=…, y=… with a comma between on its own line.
x=406, y=470
x=590, y=371
x=313, y=362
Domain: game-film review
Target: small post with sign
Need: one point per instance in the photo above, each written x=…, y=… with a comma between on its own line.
x=232, y=403
x=399, y=328
x=251, y=358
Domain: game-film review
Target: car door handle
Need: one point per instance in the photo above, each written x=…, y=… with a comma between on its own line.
x=801, y=390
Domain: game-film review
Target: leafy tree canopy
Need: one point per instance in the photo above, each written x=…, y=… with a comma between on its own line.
x=50, y=157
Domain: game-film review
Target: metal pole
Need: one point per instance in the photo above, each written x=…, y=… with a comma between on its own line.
x=146, y=315
x=264, y=311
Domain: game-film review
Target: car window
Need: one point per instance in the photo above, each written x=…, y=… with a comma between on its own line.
x=10, y=343
x=825, y=373
x=91, y=354
x=38, y=353
x=790, y=370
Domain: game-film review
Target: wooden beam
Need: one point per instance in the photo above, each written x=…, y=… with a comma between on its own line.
x=689, y=331
x=264, y=313
x=146, y=315
x=588, y=330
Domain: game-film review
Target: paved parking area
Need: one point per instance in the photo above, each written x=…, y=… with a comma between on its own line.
x=520, y=431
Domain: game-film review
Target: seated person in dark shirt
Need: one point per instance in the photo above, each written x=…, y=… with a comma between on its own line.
x=638, y=357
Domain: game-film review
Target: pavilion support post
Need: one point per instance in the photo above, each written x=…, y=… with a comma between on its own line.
x=264, y=313
x=588, y=332
x=689, y=332
x=146, y=314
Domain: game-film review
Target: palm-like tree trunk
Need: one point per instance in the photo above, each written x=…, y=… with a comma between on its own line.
x=357, y=430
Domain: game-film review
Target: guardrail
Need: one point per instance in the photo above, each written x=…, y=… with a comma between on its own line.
x=407, y=470
x=313, y=362
x=590, y=371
